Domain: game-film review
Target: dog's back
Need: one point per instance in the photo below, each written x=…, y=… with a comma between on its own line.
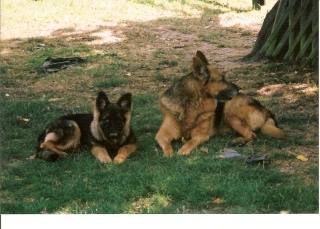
x=84, y=121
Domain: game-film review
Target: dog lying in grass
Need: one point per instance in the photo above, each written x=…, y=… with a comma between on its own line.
x=106, y=131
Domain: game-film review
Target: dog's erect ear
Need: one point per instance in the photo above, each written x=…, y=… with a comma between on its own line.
x=125, y=101
x=202, y=57
x=102, y=101
x=199, y=68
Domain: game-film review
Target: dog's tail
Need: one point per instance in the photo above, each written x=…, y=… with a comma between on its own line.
x=270, y=129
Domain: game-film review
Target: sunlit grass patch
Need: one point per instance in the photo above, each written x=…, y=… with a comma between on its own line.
x=55, y=15
x=148, y=205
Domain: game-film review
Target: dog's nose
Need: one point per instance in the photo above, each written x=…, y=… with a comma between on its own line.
x=113, y=135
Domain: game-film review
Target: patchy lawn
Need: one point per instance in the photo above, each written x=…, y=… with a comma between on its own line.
x=142, y=47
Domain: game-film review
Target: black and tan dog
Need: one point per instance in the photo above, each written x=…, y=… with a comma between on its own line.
x=107, y=132
x=246, y=116
x=189, y=105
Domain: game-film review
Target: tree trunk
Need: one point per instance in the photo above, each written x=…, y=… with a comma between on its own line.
x=290, y=32
x=263, y=34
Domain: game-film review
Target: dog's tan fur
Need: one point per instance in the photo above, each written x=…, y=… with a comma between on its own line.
x=246, y=116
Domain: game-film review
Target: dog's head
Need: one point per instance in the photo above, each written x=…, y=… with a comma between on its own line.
x=213, y=80
x=112, y=119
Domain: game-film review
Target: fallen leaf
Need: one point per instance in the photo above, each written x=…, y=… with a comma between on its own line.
x=54, y=99
x=284, y=212
x=21, y=119
x=32, y=157
x=218, y=201
x=166, y=204
x=302, y=158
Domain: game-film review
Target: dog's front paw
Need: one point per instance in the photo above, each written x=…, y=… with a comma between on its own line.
x=184, y=151
x=168, y=153
x=240, y=141
x=118, y=159
x=62, y=153
x=104, y=159
x=101, y=154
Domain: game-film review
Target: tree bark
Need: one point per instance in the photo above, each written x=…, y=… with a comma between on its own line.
x=263, y=34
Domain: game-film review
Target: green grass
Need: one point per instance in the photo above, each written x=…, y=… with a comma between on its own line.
x=106, y=70
x=110, y=82
x=145, y=64
x=169, y=63
x=147, y=182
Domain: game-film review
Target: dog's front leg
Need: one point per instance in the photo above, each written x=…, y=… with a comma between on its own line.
x=124, y=152
x=101, y=154
x=192, y=143
x=201, y=133
x=169, y=130
x=244, y=129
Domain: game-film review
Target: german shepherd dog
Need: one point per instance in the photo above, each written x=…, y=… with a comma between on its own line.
x=189, y=105
x=106, y=131
x=246, y=115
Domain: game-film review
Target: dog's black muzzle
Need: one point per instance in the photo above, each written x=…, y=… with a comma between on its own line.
x=227, y=94
x=113, y=135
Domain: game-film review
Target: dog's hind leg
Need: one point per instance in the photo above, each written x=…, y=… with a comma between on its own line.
x=60, y=135
x=199, y=134
x=270, y=129
x=169, y=131
x=192, y=143
x=243, y=129
x=52, y=147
